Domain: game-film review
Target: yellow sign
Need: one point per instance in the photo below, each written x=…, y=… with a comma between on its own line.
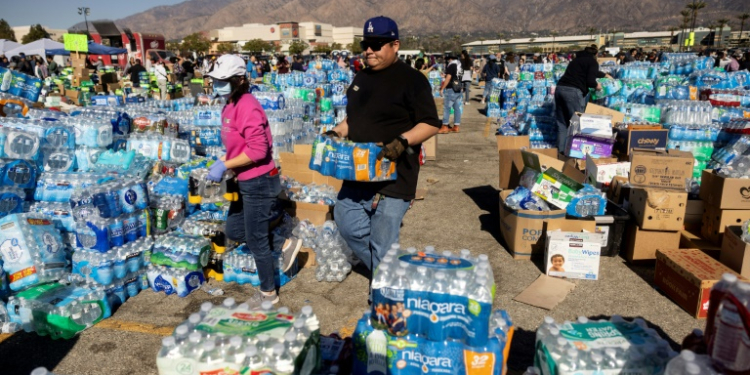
x=76, y=42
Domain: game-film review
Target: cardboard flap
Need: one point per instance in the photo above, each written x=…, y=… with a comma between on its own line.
x=545, y=292
x=559, y=176
x=595, y=109
x=572, y=225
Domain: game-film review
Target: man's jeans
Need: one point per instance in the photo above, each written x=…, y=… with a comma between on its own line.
x=453, y=100
x=249, y=221
x=368, y=231
x=568, y=101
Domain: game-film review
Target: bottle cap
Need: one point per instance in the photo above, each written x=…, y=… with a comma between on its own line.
x=692, y=368
x=400, y=272
x=461, y=274
x=549, y=320
x=278, y=349
x=728, y=277
x=596, y=357
x=181, y=330
x=266, y=305
x=299, y=323
x=251, y=350
x=229, y=302
x=447, y=253
x=307, y=310
x=168, y=341
x=687, y=355
x=583, y=319
x=195, y=337
x=290, y=336
x=194, y=319
x=236, y=341
x=572, y=353
x=262, y=337
x=283, y=310
x=208, y=346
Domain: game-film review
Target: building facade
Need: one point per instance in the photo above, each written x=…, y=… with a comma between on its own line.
x=283, y=33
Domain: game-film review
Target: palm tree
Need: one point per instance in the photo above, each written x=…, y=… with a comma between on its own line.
x=671, y=29
x=686, y=18
x=554, y=34
x=694, y=7
x=742, y=17
x=721, y=23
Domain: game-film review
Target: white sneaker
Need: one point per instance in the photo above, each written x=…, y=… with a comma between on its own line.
x=467, y=103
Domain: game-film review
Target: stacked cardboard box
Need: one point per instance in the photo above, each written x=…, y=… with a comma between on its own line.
x=657, y=201
x=726, y=202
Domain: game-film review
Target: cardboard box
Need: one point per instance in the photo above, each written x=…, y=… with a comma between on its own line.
x=723, y=192
x=658, y=209
x=430, y=148
x=687, y=276
x=511, y=162
x=297, y=165
x=619, y=191
x=580, y=164
x=643, y=244
x=557, y=182
x=654, y=138
x=573, y=255
x=691, y=239
x=595, y=109
x=715, y=221
x=524, y=231
x=82, y=73
x=72, y=96
x=600, y=173
x=661, y=169
x=78, y=60
x=735, y=253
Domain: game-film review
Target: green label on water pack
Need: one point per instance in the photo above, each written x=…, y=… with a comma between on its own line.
x=246, y=323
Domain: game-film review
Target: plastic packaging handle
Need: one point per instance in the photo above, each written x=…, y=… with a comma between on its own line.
x=3, y=102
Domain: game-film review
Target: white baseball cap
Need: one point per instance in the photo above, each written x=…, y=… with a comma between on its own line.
x=228, y=66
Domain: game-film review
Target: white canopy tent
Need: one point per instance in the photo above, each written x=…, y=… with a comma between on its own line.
x=7, y=45
x=39, y=47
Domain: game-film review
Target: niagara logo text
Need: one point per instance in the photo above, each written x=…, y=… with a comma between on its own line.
x=427, y=360
x=435, y=307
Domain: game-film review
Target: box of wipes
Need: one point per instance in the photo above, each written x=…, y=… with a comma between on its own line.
x=573, y=255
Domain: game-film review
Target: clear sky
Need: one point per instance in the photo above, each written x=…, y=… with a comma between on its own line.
x=61, y=14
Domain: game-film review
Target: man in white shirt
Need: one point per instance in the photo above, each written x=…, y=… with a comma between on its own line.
x=161, y=77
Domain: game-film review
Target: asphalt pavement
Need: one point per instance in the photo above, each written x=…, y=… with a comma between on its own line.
x=460, y=210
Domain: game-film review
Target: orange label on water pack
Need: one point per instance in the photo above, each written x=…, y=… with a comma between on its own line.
x=22, y=273
x=479, y=363
x=224, y=371
x=361, y=164
x=160, y=144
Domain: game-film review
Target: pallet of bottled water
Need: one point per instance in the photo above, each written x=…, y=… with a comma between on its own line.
x=438, y=295
x=32, y=250
x=234, y=339
x=180, y=250
x=210, y=228
x=590, y=347
x=378, y=352
x=239, y=267
x=58, y=310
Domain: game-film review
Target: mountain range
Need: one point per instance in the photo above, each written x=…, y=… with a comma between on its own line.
x=469, y=18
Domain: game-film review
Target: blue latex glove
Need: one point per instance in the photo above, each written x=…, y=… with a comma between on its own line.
x=216, y=171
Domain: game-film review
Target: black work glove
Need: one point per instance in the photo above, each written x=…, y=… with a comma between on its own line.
x=332, y=134
x=393, y=149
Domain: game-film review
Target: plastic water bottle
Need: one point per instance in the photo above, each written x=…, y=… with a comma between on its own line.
x=731, y=335
x=167, y=357
x=282, y=360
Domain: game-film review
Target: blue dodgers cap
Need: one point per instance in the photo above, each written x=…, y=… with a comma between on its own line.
x=380, y=27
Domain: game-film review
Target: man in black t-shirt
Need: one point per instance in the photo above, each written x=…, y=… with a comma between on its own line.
x=392, y=104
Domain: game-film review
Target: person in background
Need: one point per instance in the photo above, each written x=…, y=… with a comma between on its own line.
x=4, y=61
x=733, y=65
x=252, y=70
x=453, y=96
x=631, y=55
x=722, y=60
x=297, y=65
x=282, y=66
x=390, y=103
x=266, y=68
x=511, y=64
x=161, y=77
x=25, y=64
x=246, y=134
x=177, y=68
x=490, y=72
x=52, y=67
x=421, y=65
x=40, y=71
x=188, y=68
x=409, y=62
x=466, y=65
x=134, y=72
x=130, y=63
x=572, y=89
x=99, y=64
x=745, y=64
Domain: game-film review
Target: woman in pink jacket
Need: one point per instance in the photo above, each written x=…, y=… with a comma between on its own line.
x=247, y=137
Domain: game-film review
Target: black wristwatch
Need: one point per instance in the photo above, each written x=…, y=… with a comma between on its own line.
x=405, y=143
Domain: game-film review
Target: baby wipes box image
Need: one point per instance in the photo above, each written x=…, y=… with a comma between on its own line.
x=573, y=255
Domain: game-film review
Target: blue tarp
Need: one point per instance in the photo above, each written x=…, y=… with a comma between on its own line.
x=94, y=49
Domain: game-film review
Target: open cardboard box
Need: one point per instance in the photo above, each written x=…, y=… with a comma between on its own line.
x=735, y=253
x=720, y=192
x=511, y=162
x=525, y=231
x=558, y=180
x=600, y=172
